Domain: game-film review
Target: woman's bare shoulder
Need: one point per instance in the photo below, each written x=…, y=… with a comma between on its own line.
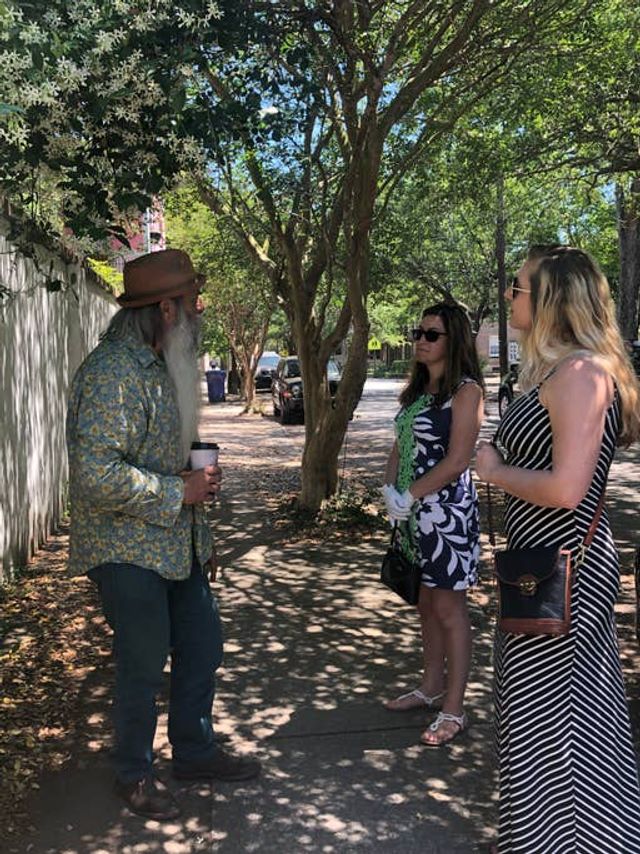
x=582, y=364
x=581, y=373
x=469, y=391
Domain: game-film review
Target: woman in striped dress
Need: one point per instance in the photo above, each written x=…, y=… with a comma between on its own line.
x=568, y=772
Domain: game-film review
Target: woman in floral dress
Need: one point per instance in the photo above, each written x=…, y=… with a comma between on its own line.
x=429, y=491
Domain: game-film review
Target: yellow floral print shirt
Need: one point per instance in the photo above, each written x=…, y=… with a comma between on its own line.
x=123, y=437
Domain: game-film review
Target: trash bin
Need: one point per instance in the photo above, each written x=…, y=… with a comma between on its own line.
x=215, y=385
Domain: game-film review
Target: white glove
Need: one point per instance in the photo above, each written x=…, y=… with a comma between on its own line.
x=402, y=504
x=398, y=505
x=387, y=492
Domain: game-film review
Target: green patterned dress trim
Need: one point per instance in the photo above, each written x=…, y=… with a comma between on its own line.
x=406, y=458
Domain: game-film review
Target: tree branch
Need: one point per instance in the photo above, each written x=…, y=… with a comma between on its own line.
x=339, y=332
x=214, y=201
x=429, y=69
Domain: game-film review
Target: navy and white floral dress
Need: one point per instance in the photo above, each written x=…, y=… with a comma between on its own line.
x=446, y=527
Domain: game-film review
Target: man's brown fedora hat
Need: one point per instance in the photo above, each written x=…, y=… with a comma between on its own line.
x=159, y=275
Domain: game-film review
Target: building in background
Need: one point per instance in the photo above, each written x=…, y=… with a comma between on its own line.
x=150, y=236
x=487, y=342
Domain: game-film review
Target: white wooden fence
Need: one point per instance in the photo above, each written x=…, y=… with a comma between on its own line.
x=43, y=338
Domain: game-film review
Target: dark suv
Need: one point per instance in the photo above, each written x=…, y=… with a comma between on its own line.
x=286, y=389
x=266, y=370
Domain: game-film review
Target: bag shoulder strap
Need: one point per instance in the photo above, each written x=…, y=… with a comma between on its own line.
x=584, y=545
x=394, y=532
x=492, y=533
x=592, y=528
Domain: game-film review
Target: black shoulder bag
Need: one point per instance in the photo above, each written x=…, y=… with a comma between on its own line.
x=534, y=584
x=400, y=574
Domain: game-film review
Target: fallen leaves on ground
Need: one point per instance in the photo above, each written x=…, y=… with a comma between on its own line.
x=52, y=638
x=355, y=509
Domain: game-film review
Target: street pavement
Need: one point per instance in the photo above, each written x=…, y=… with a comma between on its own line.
x=313, y=645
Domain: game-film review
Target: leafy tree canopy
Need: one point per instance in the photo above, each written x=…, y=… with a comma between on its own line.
x=101, y=95
x=237, y=292
x=437, y=239
x=296, y=120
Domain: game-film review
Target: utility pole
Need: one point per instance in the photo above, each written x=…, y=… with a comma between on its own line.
x=628, y=216
x=146, y=225
x=501, y=269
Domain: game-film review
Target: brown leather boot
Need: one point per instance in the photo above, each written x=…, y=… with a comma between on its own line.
x=148, y=797
x=223, y=765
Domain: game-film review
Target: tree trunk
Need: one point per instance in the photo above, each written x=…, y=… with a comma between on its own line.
x=326, y=428
x=326, y=422
x=323, y=435
x=628, y=210
x=320, y=463
x=248, y=388
x=247, y=370
x=501, y=270
x=233, y=379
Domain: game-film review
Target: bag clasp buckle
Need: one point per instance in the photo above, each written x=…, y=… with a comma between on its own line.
x=528, y=585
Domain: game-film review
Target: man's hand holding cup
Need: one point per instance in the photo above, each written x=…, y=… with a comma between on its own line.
x=203, y=482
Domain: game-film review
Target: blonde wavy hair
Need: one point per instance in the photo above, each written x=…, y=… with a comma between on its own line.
x=572, y=309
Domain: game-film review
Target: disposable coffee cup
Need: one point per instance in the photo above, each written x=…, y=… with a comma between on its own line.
x=203, y=454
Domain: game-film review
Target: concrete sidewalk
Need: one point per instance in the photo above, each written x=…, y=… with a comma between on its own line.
x=312, y=647
x=313, y=644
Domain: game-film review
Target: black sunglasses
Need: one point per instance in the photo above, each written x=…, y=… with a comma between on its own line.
x=430, y=335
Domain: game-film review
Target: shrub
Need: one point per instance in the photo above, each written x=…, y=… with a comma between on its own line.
x=377, y=370
x=399, y=368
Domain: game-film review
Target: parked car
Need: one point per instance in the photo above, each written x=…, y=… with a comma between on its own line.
x=286, y=389
x=266, y=370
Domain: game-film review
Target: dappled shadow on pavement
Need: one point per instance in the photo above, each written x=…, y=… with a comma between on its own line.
x=313, y=646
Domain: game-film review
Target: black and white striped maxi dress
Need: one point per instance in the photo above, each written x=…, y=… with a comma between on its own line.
x=568, y=771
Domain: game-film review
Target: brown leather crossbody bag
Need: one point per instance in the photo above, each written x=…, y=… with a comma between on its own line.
x=534, y=584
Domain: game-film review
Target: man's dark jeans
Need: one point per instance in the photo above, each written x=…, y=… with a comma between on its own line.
x=150, y=617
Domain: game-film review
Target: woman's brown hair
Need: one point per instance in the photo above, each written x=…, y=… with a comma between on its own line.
x=462, y=357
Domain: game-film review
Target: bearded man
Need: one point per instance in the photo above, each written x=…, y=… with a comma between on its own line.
x=138, y=527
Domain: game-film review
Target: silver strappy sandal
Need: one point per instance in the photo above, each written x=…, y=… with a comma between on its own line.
x=419, y=700
x=444, y=717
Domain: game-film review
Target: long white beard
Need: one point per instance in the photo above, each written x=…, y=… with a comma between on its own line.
x=180, y=349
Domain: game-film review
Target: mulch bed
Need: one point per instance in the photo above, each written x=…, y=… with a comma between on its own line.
x=53, y=636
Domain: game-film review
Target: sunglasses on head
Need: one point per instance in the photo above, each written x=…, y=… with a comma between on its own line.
x=430, y=335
